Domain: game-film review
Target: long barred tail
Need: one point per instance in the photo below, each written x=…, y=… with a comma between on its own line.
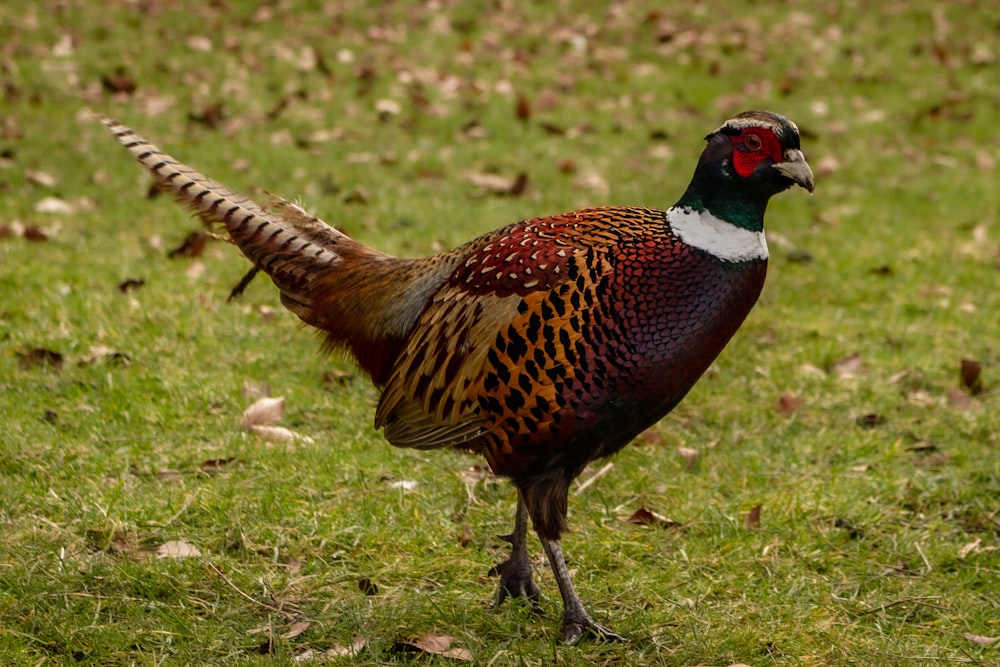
x=295, y=248
x=362, y=299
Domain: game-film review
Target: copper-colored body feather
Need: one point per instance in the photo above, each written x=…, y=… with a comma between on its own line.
x=541, y=346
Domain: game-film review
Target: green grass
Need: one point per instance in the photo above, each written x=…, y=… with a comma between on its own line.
x=862, y=555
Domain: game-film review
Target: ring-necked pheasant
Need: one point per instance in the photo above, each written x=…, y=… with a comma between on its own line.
x=543, y=345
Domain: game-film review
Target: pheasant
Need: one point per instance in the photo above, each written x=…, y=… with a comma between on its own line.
x=543, y=345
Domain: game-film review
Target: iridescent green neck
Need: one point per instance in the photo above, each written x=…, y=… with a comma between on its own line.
x=738, y=208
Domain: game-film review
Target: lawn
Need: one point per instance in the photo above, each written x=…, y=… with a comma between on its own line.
x=828, y=494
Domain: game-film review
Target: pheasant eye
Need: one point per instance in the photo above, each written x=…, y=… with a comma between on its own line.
x=752, y=142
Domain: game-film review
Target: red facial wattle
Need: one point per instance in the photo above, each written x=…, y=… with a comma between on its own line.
x=751, y=147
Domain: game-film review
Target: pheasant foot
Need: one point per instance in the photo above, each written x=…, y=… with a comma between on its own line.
x=575, y=628
x=515, y=572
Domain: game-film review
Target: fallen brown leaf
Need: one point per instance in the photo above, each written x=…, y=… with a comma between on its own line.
x=102, y=354
x=971, y=547
x=296, y=629
x=435, y=645
x=41, y=178
x=566, y=166
x=971, y=373
x=520, y=185
x=752, y=520
x=980, y=640
x=193, y=245
x=265, y=411
x=847, y=367
x=130, y=285
x=119, y=81
x=339, y=650
x=690, y=456
x=54, y=205
x=498, y=185
x=647, y=517
x=214, y=466
x=40, y=356
x=522, y=109
x=211, y=115
x=871, y=420
x=278, y=434
x=35, y=233
x=177, y=549
x=789, y=403
x=169, y=475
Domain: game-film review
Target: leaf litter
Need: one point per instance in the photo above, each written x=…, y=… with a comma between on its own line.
x=177, y=549
x=261, y=419
x=433, y=644
x=647, y=517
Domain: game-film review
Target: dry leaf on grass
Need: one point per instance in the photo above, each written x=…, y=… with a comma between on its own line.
x=690, y=456
x=871, y=420
x=54, y=205
x=177, y=549
x=40, y=356
x=847, y=367
x=278, y=434
x=296, y=629
x=215, y=466
x=335, y=651
x=41, y=178
x=789, y=403
x=980, y=640
x=752, y=521
x=104, y=354
x=265, y=411
x=970, y=548
x=434, y=645
x=497, y=184
x=193, y=245
x=971, y=373
x=130, y=285
x=17, y=229
x=647, y=517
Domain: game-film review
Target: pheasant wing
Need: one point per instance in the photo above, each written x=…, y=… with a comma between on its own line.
x=498, y=343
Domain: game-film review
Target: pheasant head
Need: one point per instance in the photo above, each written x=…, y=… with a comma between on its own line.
x=749, y=159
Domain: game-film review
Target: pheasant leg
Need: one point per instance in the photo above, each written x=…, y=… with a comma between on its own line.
x=576, y=621
x=515, y=572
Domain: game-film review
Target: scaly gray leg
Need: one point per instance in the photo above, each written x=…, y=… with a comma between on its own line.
x=515, y=572
x=576, y=621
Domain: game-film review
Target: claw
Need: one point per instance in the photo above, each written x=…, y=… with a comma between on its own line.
x=574, y=630
x=516, y=582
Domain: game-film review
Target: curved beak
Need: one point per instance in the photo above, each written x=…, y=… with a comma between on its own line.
x=796, y=168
